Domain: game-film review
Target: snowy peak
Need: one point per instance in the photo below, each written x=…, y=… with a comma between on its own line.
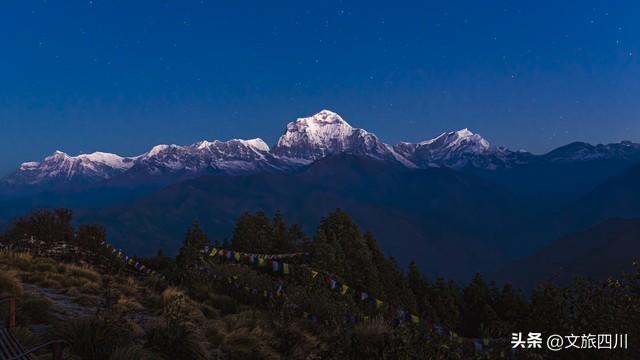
x=315, y=136
x=233, y=156
x=458, y=149
x=462, y=140
x=61, y=166
x=304, y=141
x=581, y=151
x=326, y=133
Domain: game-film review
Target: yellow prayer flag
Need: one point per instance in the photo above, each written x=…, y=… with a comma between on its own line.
x=378, y=303
x=415, y=319
x=260, y=262
x=314, y=274
x=345, y=288
x=285, y=268
x=237, y=256
x=213, y=252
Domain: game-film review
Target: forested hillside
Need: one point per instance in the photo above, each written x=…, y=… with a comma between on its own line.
x=272, y=291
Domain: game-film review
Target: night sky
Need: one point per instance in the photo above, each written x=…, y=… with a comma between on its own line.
x=122, y=76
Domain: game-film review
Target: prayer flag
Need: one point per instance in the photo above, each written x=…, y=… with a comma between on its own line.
x=345, y=288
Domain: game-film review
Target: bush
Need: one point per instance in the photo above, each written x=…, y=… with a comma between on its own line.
x=224, y=303
x=35, y=309
x=177, y=341
x=132, y=352
x=83, y=272
x=244, y=343
x=10, y=284
x=371, y=338
x=94, y=338
x=44, y=265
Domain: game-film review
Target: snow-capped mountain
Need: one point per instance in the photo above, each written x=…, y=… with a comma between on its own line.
x=233, y=157
x=304, y=141
x=62, y=167
x=459, y=149
x=581, y=151
x=326, y=133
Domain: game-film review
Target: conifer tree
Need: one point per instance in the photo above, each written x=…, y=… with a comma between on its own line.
x=281, y=242
x=194, y=242
x=253, y=233
x=90, y=236
x=478, y=312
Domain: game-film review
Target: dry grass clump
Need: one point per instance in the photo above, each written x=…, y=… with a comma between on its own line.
x=83, y=272
x=224, y=303
x=35, y=309
x=132, y=352
x=127, y=304
x=371, y=337
x=91, y=288
x=247, y=343
x=10, y=284
x=176, y=304
x=22, y=261
x=93, y=337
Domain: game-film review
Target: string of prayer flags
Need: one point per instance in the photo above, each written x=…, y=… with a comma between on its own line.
x=269, y=263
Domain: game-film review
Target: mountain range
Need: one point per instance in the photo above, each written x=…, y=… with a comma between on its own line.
x=303, y=142
x=455, y=203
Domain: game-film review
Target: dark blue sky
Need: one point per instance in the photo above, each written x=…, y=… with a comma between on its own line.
x=122, y=76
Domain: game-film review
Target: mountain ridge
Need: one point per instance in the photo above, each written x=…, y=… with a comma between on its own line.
x=305, y=140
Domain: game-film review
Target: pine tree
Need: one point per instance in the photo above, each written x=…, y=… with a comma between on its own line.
x=419, y=286
x=253, y=233
x=194, y=242
x=447, y=303
x=478, y=312
x=281, y=242
x=340, y=248
x=90, y=236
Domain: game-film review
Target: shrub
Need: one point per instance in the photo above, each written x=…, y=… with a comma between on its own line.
x=35, y=309
x=224, y=303
x=44, y=265
x=91, y=288
x=93, y=337
x=177, y=340
x=10, y=284
x=126, y=305
x=371, y=338
x=248, y=344
x=83, y=272
x=132, y=352
x=22, y=261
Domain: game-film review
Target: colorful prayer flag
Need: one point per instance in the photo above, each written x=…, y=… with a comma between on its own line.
x=344, y=290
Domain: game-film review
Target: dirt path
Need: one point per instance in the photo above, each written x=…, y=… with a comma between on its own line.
x=63, y=306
